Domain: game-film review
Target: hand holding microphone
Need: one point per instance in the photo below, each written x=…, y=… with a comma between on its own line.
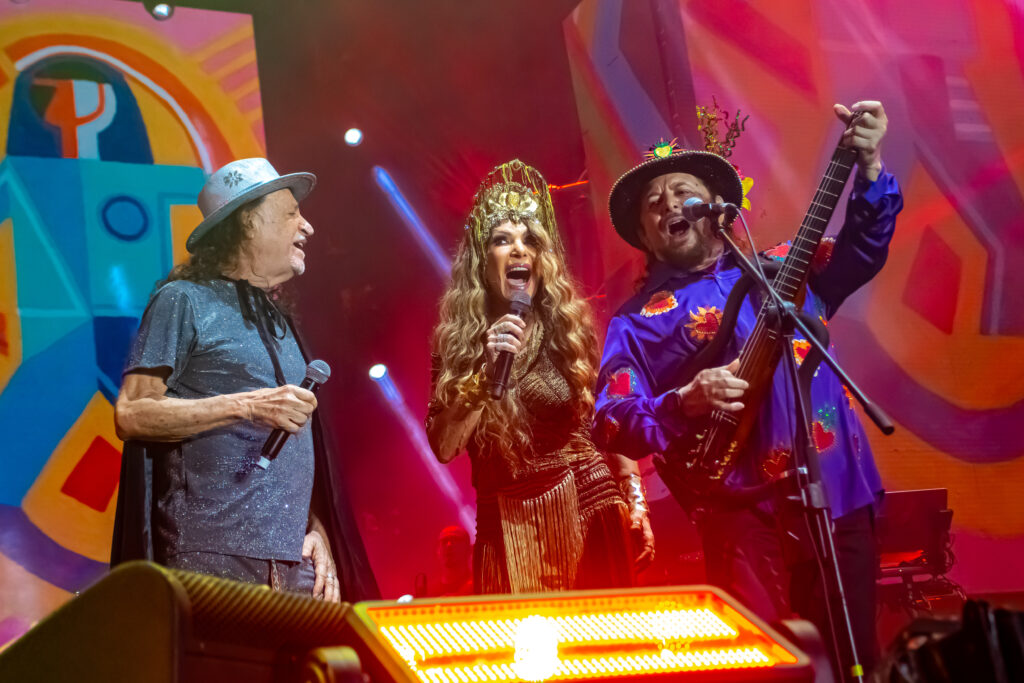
x=504, y=340
x=292, y=410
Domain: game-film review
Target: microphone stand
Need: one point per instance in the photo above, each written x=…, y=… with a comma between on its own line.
x=810, y=490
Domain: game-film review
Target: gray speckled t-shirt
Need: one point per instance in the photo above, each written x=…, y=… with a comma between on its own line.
x=209, y=495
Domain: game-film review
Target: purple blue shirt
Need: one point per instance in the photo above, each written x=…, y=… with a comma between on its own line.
x=677, y=313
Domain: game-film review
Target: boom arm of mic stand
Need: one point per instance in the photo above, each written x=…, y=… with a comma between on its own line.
x=788, y=309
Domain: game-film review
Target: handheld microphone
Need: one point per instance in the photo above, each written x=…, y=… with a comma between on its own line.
x=317, y=372
x=519, y=305
x=694, y=209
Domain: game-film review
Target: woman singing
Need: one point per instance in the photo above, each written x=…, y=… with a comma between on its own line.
x=550, y=514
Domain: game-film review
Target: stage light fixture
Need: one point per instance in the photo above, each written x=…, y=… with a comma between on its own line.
x=378, y=371
x=669, y=633
x=161, y=11
x=353, y=136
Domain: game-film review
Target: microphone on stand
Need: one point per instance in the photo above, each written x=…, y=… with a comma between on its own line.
x=317, y=372
x=694, y=209
x=520, y=306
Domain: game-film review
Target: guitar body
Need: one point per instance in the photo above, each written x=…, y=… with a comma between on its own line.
x=695, y=469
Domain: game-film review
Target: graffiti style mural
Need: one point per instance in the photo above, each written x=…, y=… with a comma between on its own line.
x=109, y=122
x=937, y=337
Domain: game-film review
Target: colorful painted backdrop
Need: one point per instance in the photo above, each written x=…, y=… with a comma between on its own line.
x=109, y=122
x=937, y=337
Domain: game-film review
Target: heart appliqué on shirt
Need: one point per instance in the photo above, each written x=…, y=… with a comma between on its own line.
x=822, y=437
x=778, y=252
x=704, y=323
x=800, y=349
x=775, y=463
x=622, y=383
x=661, y=302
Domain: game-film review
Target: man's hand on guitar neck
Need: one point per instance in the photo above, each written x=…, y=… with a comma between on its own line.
x=865, y=135
x=713, y=389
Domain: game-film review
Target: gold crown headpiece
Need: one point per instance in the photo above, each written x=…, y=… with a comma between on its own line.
x=516, y=192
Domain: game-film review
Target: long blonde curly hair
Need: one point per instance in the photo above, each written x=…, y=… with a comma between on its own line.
x=459, y=338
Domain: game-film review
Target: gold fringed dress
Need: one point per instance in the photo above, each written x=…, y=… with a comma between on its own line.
x=555, y=520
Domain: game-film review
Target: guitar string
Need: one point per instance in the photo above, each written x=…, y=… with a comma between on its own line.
x=763, y=346
x=840, y=154
x=786, y=280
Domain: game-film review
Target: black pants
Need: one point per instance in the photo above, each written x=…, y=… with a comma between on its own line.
x=291, y=577
x=743, y=554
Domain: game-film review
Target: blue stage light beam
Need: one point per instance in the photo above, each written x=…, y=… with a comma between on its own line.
x=414, y=430
x=440, y=260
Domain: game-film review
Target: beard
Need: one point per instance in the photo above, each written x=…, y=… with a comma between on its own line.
x=694, y=253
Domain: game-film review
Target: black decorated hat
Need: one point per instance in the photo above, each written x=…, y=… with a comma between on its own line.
x=720, y=176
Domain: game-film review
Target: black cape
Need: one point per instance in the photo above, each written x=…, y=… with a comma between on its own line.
x=133, y=531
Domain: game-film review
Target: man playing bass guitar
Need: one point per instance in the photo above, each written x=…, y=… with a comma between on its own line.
x=651, y=396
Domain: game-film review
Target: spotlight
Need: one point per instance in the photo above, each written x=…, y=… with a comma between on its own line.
x=161, y=11
x=378, y=371
x=353, y=136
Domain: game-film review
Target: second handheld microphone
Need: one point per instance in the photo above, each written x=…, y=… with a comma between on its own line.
x=317, y=372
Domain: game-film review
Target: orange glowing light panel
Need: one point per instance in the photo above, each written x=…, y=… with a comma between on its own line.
x=581, y=635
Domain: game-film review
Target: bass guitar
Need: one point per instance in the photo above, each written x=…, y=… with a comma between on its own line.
x=696, y=467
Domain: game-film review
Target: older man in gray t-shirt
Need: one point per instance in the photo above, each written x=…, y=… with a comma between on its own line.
x=214, y=368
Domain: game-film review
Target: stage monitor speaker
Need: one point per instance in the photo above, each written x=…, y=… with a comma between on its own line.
x=691, y=633
x=143, y=622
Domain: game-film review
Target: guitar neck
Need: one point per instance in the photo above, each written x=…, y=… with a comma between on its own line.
x=715, y=456
x=760, y=352
x=791, y=278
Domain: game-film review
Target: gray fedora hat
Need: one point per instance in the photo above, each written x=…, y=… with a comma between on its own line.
x=239, y=182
